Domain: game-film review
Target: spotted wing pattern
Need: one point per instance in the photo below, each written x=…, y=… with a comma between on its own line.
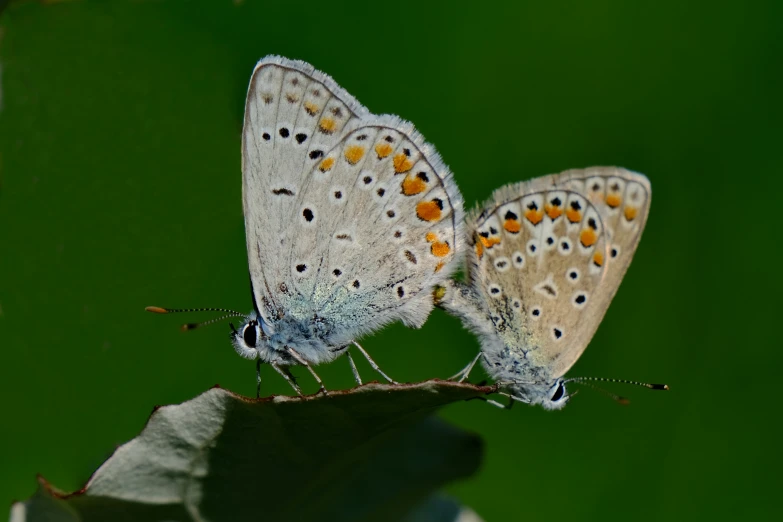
x=548, y=255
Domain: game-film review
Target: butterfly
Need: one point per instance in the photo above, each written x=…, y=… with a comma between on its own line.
x=351, y=220
x=545, y=258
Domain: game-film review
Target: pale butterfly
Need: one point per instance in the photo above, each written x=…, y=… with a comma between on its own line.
x=545, y=259
x=351, y=219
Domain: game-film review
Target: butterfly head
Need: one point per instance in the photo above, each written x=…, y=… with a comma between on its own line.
x=556, y=396
x=250, y=335
x=551, y=395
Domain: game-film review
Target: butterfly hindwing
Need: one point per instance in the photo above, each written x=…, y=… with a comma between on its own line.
x=387, y=230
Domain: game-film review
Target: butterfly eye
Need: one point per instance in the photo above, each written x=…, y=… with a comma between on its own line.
x=249, y=334
x=559, y=392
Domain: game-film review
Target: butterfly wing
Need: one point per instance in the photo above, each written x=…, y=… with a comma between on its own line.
x=386, y=228
x=353, y=229
x=293, y=116
x=549, y=254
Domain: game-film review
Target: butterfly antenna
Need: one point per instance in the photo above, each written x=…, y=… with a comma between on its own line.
x=617, y=398
x=623, y=381
x=192, y=326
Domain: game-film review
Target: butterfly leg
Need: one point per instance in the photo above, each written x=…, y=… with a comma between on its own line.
x=463, y=375
x=372, y=363
x=298, y=358
x=513, y=398
x=353, y=369
x=286, y=373
x=499, y=405
x=495, y=403
x=258, y=378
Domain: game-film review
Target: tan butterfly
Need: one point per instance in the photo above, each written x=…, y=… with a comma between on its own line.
x=545, y=259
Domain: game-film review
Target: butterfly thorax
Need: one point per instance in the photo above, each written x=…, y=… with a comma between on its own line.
x=276, y=340
x=308, y=335
x=512, y=364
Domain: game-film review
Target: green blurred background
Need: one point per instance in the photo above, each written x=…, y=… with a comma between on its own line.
x=120, y=168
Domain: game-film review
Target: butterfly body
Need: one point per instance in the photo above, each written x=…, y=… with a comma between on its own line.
x=545, y=259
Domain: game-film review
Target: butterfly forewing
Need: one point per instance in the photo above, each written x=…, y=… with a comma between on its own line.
x=293, y=116
x=549, y=254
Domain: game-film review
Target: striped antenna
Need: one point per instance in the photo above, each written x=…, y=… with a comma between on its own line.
x=192, y=326
x=617, y=398
x=623, y=381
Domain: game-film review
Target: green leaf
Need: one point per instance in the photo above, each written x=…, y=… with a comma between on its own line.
x=371, y=453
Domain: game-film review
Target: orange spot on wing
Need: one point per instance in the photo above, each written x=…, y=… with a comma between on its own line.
x=598, y=259
x=311, y=108
x=574, y=216
x=383, y=150
x=553, y=212
x=327, y=125
x=613, y=200
x=428, y=210
x=630, y=213
x=326, y=164
x=440, y=249
x=534, y=216
x=489, y=242
x=353, y=153
x=588, y=237
x=437, y=269
x=402, y=163
x=512, y=225
x=412, y=185
x=479, y=250
x=431, y=236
